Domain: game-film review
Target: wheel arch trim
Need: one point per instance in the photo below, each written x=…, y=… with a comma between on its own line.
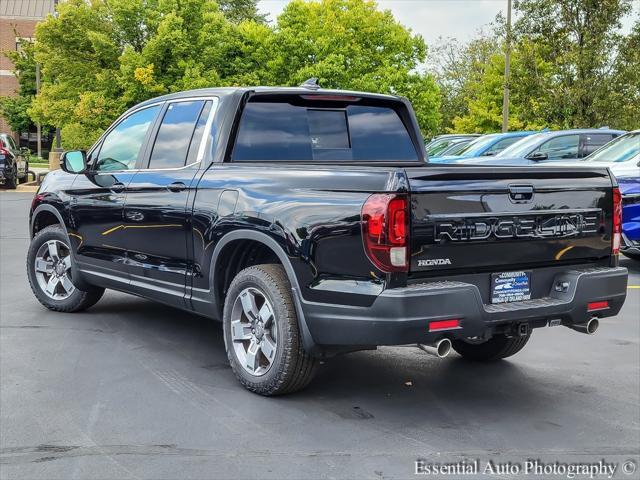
x=270, y=242
x=45, y=207
x=78, y=279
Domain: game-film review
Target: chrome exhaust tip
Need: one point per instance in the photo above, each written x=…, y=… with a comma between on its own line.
x=439, y=349
x=589, y=328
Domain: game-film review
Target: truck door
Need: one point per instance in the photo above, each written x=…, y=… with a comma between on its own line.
x=156, y=220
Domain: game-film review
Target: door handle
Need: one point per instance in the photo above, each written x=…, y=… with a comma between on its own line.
x=117, y=187
x=176, y=187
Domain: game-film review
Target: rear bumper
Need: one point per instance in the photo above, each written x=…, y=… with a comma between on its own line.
x=401, y=316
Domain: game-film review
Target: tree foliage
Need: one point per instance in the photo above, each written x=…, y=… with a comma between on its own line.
x=570, y=67
x=15, y=108
x=100, y=57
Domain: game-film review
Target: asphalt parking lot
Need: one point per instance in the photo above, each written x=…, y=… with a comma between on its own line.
x=133, y=389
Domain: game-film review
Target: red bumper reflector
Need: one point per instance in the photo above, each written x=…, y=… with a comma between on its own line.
x=443, y=325
x=593, y=306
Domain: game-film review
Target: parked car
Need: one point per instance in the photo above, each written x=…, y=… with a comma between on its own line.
x=484, y=146
x=622, y=157
x=14, y=164
x=310, y=224
x=439, y=143
x=630, y=188
x=549, y=147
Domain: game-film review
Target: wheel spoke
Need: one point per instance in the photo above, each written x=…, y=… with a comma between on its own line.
x=53, y=249
x=249, y=305
x=265, y=314
x=67, y=284
x=268, y=347
x=52, y=284
x=44, y=266
x=67, y=262
x=240, y=331
x=252, y=356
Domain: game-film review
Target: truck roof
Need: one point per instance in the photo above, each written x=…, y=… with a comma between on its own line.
x=226, y=91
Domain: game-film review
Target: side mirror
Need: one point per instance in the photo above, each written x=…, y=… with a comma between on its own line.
x=490, y=153
x=74, y=161
x=537, y=156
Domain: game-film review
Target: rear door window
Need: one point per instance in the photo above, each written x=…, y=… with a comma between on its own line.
x=174, y=135
x=280, y=131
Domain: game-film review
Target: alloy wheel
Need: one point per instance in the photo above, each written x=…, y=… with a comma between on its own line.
x=53, y=270
x=254, y=331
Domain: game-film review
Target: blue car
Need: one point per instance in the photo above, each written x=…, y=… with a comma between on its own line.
x=485, y=146
x=630, y=189
x=622, y=156
x=546, y=147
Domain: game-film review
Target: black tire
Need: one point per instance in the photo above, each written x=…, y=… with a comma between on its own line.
x=78, y=300
x=496, y=348
x=11, y=182
x=292, y=368
x=632, y=256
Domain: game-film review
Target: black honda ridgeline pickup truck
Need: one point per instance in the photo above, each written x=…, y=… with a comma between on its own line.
x=309, y=222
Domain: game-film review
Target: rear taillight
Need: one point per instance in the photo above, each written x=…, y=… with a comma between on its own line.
x=616, y=237
x=385, y=231
x=4, y=153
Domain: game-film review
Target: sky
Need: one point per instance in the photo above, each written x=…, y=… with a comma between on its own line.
x=460, y=19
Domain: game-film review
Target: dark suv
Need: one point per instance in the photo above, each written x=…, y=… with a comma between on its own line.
x=310, y=224
x=13, y=162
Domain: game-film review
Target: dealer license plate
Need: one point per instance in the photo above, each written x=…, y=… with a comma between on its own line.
x=510, y=287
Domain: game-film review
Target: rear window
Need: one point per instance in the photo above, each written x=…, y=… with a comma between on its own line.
x=280, y=131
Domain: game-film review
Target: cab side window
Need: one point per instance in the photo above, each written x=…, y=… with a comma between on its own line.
x=173, y=144
x=560, y=148
x=121, y=147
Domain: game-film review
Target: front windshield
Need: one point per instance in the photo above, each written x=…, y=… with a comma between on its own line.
x=622, y=149
x=522, y=147
x=478, y=146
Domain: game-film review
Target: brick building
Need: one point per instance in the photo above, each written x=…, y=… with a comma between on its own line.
x=18, y=20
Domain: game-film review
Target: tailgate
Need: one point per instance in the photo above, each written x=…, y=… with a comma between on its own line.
x=497, y=218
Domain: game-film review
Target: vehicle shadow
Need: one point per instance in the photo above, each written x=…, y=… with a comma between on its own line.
x=632, y=265
x=398, y=381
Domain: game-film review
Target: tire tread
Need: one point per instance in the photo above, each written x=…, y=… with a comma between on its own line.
x=75, y=303
x=297, y=368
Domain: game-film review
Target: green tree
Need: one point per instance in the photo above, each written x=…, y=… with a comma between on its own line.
x=15, y=108
x=239, y=10
x=101, y=57
x=351, y=44
x=531, y=80
x=624, y=101
x=581, y=39
x=570, y=67
x=459, y=71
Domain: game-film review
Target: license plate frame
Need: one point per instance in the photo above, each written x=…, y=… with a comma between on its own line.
x=508, y=287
